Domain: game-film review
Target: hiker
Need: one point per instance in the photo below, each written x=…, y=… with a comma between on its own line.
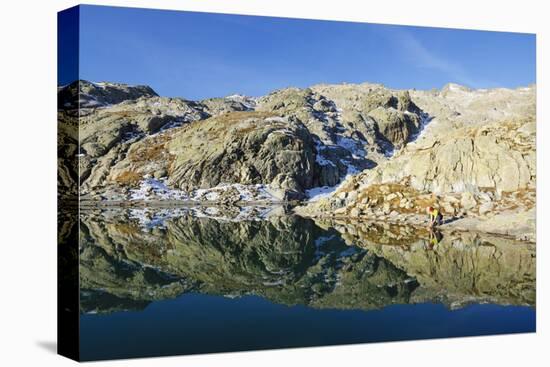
x=434, y=216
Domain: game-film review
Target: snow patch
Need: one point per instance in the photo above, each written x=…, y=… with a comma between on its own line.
x=157, y=187
x=152, y=188
x=248, y=102
x=319, y=147
x=351, y=145
x=275, y=119
x=318, y=193
x=425, y=119
x=149, y=218
x=257, y=192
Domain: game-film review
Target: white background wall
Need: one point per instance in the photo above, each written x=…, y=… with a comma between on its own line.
x=28, y=182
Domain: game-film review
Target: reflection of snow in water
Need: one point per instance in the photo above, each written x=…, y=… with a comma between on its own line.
x=274, y=283
x=332, y=260
x=154, y=218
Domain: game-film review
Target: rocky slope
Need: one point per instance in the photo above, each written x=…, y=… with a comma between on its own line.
x=67, y=151
x=290, y=141
x=475, y=159
x=352, y=150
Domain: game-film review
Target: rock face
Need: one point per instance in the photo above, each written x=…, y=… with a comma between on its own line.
x=217, y=106
x=67, y=150
x=247, y=148
x=107, y=134
x=477, y=139
x=387, y=118
x=237, y=147
x=90, y=95
x=500, y=156
x=475, y=158
x=291, y=140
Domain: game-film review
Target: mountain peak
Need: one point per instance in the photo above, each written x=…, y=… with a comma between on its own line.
x=86, y=94
x=454, y=87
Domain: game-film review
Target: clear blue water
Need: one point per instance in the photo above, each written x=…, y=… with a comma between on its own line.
x=196, y=323
x=186, y=285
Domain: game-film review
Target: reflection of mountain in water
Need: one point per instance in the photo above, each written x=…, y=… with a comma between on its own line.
x=291, y=260
x=455, y=268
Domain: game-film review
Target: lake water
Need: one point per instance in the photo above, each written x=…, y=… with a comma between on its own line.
x=183, y=281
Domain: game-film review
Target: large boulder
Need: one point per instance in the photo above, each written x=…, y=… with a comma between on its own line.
x=247, y=148
x=396, y=126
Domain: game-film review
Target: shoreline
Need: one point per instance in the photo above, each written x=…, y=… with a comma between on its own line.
x=178, y=203
x=515, y=225
x=520, y=231
x=445, y=228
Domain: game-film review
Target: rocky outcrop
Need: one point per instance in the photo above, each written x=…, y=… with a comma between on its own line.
x=392, y=117
x=122, y=116
x=507, y=213
x=239, y=147
x=217, y=106
x=499, y=156
x=475, y=162
x=291, y=140
x=84, y=94
x=246, y=148
x=67, y=151
x=269, y=146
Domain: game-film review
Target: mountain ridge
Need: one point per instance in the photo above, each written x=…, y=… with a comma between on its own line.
x=303, y=144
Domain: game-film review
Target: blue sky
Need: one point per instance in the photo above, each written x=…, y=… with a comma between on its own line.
x=200, y=55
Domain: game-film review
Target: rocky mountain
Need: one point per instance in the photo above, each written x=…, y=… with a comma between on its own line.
x=475, y=159
x=347, y=150
x=291, y=140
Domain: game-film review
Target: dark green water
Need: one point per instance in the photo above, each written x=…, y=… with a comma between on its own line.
x=164, y=282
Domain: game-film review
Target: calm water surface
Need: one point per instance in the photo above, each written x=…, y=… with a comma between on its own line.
x=182, y=281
